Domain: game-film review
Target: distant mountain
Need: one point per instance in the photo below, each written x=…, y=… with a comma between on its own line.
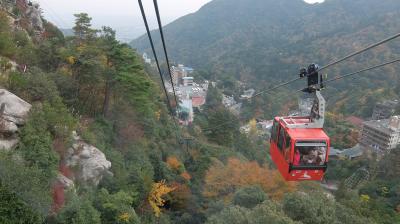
x=269, y=40
x=67, y=32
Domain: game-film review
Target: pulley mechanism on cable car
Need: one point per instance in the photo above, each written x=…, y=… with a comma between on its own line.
x=299, y=145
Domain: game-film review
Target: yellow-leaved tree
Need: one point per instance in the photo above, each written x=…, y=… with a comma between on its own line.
x=253, y=127
x=71, y=60
x=155, y=199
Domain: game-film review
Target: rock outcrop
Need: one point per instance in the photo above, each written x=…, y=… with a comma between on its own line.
x=13, y=113
x=88, y=163
x=34, y=15
x=15, y=109
x=28, y=16
x=65, y=182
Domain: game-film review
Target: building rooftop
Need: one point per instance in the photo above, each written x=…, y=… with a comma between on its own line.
x=389, y=103
x=189, y=69
x=198, y=101
x=354, y=152
x=350, y=153
x=248, y=93
x=334, y=152
x=381, y=125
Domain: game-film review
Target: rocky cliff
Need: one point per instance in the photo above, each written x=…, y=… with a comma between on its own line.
x=13, y=113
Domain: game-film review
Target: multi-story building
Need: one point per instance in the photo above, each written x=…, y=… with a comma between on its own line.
x=381, y=135
x=190, y=94
x=178, y=73
x=384, y=109
x=187, y=81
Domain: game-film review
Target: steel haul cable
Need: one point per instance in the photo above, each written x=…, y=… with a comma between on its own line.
x=158, y=65
x=275, y=87
x=328, y=81
x=327, y=66
x=165, y=49
x=154, y=52
x=360, y=51
x=363, y=70
x=334, y=62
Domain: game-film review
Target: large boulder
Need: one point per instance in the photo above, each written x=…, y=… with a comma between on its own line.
x=8, y=127
x=13, y=113
x=88, y=163
x=15, y=109
x=8, y=144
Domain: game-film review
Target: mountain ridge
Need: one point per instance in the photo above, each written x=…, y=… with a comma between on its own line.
x=237, y=36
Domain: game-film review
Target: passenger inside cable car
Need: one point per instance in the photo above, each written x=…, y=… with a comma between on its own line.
x=310, y=154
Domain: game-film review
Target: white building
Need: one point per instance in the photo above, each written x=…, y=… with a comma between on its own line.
x=381, y=135
x=248, y=94
x=146, y=58
x=187, y=81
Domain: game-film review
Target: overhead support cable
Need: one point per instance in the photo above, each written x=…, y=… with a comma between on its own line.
x=154, y=52
x=160, y=28
x=275, y=87
x=158, y=67
x=328, y=81
x=363, y=70
x=360, y=51
x=333, y=63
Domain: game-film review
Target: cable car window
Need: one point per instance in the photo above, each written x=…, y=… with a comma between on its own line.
x=281, y=139
x=287, y=147
x=274, y=131
x=309, y=153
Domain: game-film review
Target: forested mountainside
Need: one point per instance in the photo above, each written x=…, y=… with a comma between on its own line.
x=86, y=138
x=263, y=42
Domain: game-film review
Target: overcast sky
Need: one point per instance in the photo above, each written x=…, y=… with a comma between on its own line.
x=123, y=15
x=115, y=12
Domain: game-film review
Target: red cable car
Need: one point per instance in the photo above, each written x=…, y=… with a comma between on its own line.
x=299, y=145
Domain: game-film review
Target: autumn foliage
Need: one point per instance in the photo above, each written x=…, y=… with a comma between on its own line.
x=155, y=199
x=186, y=176
x=223, y=180
x=124, y=217
x=173, y=163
